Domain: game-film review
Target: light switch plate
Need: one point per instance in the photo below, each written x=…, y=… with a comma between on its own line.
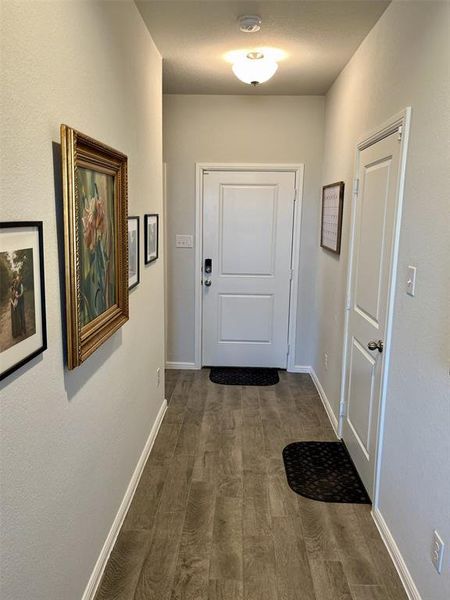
x=411, y=281
x=437, y=551
x=184, y=241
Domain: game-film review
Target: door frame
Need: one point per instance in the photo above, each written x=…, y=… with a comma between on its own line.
x=400, y=120
x=298, y=170
x=165, y=255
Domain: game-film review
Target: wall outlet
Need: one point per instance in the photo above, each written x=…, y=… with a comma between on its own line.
x=158, y=376
x=325, y=361
x=437, y=551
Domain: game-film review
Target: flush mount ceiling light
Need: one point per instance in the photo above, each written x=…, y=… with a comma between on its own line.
x=254, y=68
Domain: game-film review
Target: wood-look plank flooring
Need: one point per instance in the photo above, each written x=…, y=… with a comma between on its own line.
x=214, y=519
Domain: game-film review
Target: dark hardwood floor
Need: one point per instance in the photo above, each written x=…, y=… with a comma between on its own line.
x=214, y=519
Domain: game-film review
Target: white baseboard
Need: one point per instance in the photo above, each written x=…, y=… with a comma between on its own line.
x=325, y=401
x=100, y=565
x=182, y=365
x=299, y=369
x=397, y=558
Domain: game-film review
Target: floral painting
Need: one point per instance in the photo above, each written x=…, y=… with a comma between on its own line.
x=17, y=310
x=96, y=243
x=95, y=194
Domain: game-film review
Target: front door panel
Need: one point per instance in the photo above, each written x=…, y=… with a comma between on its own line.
x=247, y=224
x=247, y=234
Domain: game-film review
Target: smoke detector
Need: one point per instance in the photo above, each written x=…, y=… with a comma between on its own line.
x=250, y=23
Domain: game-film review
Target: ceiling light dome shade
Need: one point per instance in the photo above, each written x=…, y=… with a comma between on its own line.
x=255, y=68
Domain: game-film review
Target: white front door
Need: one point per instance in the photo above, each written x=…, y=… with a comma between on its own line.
x=247, y=240
x=375, y=213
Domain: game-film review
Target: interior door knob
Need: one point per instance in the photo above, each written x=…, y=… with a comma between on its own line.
x=376, y=345
x=207, y=282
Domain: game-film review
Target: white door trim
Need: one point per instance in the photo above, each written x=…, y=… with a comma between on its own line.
x=200, y=167
x=403, y=120
x=165, y=255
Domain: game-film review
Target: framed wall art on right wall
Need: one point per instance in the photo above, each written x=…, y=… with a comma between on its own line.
x=331, y=222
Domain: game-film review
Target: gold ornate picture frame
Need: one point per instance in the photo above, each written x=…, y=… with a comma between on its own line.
x=95, y=241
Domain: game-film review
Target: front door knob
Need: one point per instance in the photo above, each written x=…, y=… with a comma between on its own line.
x=376, y=345
x=207, y=282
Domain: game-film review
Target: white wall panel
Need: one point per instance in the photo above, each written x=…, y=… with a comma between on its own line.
x=70, y=441
x=403, y=62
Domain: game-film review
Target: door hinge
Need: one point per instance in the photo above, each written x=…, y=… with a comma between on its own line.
x=356, y=186
x=291, y=274
x=400, y=133
x=288, y=349
x=342, y=410
x=295, y=194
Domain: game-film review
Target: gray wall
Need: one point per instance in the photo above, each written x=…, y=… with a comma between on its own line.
x=271, y=129
x=70, y=441
x=403, y=61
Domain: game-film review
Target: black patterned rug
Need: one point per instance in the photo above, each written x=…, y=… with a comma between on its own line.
x=323, y=471
x=243, y=376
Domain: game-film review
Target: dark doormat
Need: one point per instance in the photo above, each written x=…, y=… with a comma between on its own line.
x=243, y=376
x=323, y=471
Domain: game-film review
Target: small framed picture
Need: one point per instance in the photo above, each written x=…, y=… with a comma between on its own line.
x=23, y=331
x=332, y=206
x=151, y=238
x=133, y=252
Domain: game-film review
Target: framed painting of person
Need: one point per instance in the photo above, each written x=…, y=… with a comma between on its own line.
x=23, y=332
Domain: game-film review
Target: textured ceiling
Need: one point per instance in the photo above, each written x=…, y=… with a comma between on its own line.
x=318, y=38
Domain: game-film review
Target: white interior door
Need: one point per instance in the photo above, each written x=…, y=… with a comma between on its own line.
x=247, y=237
x=375, y=208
